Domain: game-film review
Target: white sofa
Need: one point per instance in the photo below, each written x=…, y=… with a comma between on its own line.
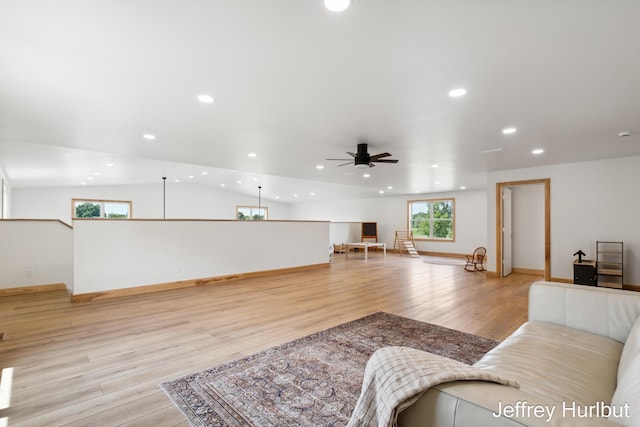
x=577, y=357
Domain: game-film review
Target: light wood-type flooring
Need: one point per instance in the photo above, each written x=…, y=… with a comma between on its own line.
x=100, y=363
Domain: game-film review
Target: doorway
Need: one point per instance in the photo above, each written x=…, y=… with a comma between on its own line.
x=503, y=221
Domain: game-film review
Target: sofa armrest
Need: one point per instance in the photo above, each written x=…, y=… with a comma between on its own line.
x=601, y=311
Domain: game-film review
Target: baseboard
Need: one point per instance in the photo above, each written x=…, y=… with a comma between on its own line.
x=443, y=254
x=428, y=253
x=160, y=287
x=33, y=289
x=531, y=271
x=561, y=280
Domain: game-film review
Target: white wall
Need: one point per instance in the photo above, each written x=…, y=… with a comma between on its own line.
x=391, y=214
x=35, y=253
x=345, y=232
x=590, y=201
x=117, y=254
x=528, y=226
x=183, y=201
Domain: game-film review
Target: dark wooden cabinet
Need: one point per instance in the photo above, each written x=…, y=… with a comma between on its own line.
x=584, y=272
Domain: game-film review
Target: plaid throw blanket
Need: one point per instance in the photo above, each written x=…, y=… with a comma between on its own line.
x=395, y=377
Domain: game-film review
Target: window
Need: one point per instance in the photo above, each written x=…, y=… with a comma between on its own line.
x=4, y=202
x=251, y=213
x=83, y=208
x=432, y=219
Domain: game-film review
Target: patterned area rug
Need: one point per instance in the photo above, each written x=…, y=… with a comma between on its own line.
x=312, y=381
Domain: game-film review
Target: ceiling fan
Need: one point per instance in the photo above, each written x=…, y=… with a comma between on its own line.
x=362, y=159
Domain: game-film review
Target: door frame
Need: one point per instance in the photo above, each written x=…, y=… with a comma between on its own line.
x=547, y=222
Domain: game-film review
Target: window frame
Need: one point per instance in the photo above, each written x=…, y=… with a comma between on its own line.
x=250, y=218
x=452, y=200
x=4, y=200
x=102, y=202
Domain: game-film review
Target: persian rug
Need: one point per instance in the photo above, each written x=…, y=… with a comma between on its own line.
x=311, y=381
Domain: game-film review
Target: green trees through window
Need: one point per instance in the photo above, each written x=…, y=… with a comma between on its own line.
x=88, y=210
x=101, y=209
x=245, y=213
x=432, y=219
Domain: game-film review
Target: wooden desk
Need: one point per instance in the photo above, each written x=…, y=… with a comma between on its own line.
x=366, y=246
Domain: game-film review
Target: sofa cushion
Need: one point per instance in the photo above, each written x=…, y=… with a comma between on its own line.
x=628, y=389
x=558, y=363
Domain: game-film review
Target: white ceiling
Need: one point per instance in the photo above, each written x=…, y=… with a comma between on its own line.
x=82, y=81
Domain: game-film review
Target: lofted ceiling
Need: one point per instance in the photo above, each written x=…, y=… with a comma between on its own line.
x=82, y=81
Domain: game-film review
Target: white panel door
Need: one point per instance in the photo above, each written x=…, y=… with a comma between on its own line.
x=507, y=246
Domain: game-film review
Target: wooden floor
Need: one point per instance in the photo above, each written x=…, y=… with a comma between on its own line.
x=100, y=363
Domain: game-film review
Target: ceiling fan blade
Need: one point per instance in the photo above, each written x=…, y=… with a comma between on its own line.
x=379, y=156
x=345, y=164
x=352, y=154
x=385, y=161
x=341, y=159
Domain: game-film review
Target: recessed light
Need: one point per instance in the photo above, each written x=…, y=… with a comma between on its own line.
x=366, y=175
x=435, y=166
x=177, y=180
x=149, y=136
x=509, y=131
x=437, y=182
x=204, y=173
x=90, y=178
x=192, y=177
x=96, y=174
x=221, y=185
x=537, y=151
x=83, y=183
x=389, y=187
x=457, y=93
x=463, y=187
x=319, y=167
x=295, y=195
x=381, y=191
x=239, y=182
x=252, y=155
x=312, y=194
x=337, y=5
x=110, y=164
x=205, y=99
